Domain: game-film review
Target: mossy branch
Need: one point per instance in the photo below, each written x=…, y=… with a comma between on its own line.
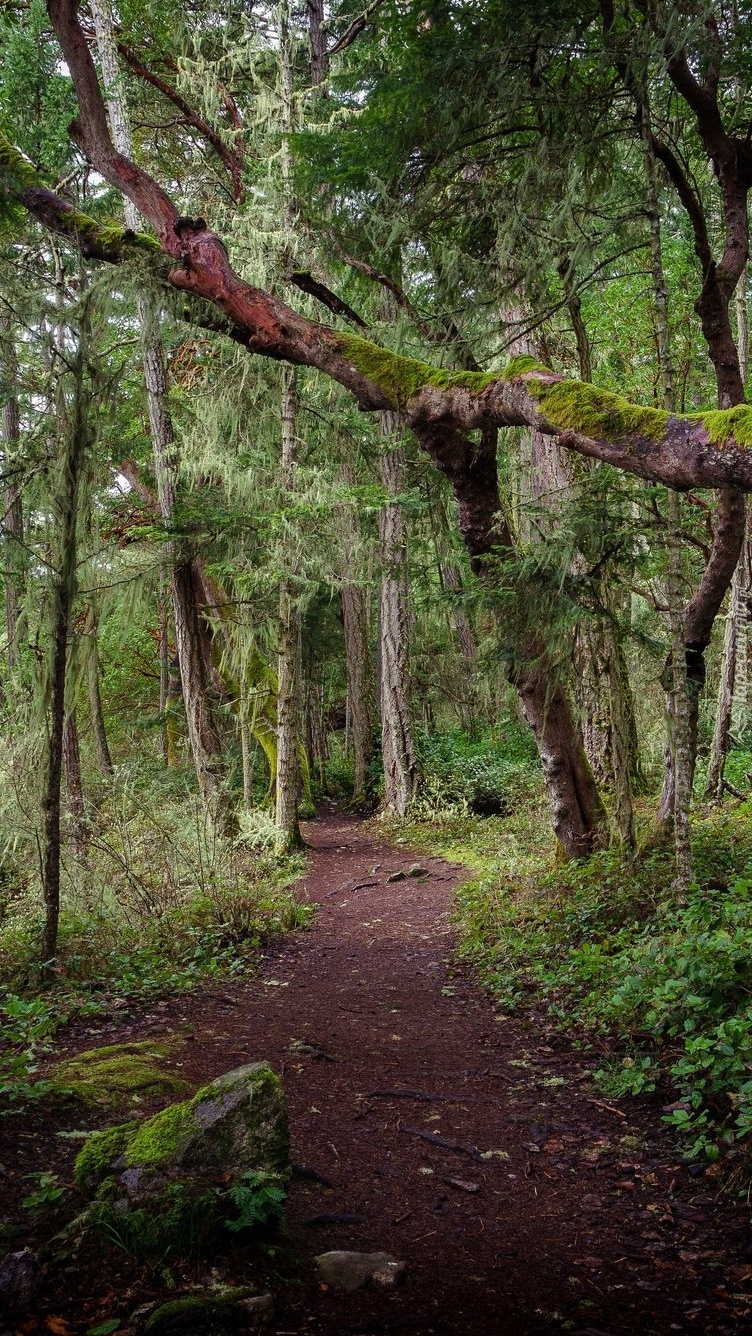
x=684, y=451
x=111, y=242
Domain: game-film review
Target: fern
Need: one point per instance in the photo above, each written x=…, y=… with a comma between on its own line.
x=259, y=1201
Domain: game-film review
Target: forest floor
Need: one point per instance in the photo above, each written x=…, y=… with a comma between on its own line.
x=471, y=1145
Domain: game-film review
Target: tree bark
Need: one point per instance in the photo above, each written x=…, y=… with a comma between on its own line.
x=73, y=784
x=357, y=648
x=399, y=752
x=466, y=642
x=289, y=654
x=734, y=662
x=164, y=673
x=13, y=522
x=74, y=427
x=98, y=727
x=734, y=659
x=203, y=735
x=317, y=38
x=579, y=817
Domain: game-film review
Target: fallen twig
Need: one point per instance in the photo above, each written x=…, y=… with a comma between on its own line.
x=437, y=1140
x=336, y=1218
x=421, y=1095
x=608, y=1107
x=348, y=890
x=305, y=1171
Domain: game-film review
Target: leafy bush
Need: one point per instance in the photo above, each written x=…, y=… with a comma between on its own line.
x=25, y=1027
x=485, y=777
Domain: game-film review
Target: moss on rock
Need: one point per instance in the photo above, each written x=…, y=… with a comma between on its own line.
x=166, y=1184
x=101, y=1150
x=236, y=1310
x=119, y=1071
x=161, y=1139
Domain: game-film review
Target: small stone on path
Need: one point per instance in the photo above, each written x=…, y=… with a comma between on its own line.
x=353, y=1270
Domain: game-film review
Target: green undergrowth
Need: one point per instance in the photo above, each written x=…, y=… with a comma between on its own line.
x=664, y=988
x=156, y=904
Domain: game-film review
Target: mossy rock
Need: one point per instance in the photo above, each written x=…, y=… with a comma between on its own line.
x=166, y=1184
x=103, y=1076
x=228, y=1314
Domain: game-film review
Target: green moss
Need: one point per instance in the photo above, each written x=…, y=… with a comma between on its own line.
x=16, y=172
x=160, y=1138
x=105, y=1075
x=402, y=377
x=722, y=424
x=211, y=1315
x=94, y=1162
x=572, y=405
x=166, y=1184
x=520, y=366
x=111, y=238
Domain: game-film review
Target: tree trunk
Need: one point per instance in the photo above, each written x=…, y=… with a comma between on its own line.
x=399, y=753
x=289, y=654
x=699, y=617
x=466, y=642
x=74, y=430
x=607, y=718
x=164, y=675
x=246, y=750
x=203, y=735
x=172, y=724
x=742, y=326
x=73, y=784
x=316, y=747
x=685, y=706
x=317, y=38
x=734, y=663
x=12, y=501
x=579, y=817
x=357, y=648
x=99, y=731
x=577, y=811
x=575, y=759
x=733, y=666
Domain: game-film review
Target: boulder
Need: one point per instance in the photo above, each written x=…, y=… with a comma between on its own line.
x=237, y=1311
x=119, y=1072
x=353, y=1270
x=172, y=1181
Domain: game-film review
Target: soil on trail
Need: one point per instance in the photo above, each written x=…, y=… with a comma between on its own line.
x=472, y=1146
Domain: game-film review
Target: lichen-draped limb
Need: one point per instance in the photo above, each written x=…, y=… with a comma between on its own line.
x=682, y=451
x=110, y=242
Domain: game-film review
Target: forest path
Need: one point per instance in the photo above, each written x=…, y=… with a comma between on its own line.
x=583, y=1214
x=566, y=1213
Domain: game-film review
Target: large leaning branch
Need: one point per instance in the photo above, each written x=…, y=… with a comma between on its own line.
x=712, y=449
x=687, y=451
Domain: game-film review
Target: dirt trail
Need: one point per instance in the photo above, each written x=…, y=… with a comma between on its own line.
x=566, y=1212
